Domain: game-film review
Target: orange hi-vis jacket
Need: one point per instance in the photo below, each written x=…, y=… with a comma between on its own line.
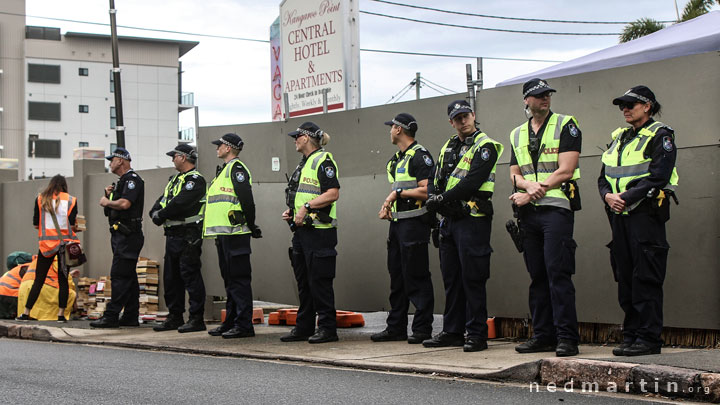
x=47, y=234
x=10, y=281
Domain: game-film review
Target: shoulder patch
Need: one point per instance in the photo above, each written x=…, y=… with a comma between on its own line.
x=574, y=132
x=428, y=160
x=485, y=154
x=240, y=177
x=131, y=185
x=329, y=172
x=189, y=185
x=667, y=143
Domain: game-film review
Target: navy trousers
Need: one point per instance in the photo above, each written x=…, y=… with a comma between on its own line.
x=549, y=253
x=234, y=258
x=639, y=251
x=123, y=276
x=181, y=272
x=410, y=279
x=313, y=261
x=465, y=263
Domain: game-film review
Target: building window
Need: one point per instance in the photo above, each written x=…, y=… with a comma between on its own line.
x=83, y=144
x=52, y=34
x=112, y=82
x=83, y=71
x=84, y=108
x=113, y=118
x=43, y=148
x=113, y=146
x=43, y=73
x=43, y=111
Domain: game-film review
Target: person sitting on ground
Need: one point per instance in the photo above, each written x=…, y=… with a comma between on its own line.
x=46, y=307
x=17, y=263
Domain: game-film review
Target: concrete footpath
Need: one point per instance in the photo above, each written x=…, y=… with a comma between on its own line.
x=693, y=374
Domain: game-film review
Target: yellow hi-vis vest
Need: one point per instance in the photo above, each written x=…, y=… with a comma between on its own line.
x=400, y=178
x=221, y=201
x=624, y=164
x=309, y=187
x=548, y=159
x=463, y=167
x=179, y=180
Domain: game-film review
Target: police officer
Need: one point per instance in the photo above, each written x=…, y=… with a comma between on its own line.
x=544, y=168
x=312, y=191
x=410, y=281
x=230, y=219
x=462, y=189
x=179, y=212
x=123, y=204
x=637, y=179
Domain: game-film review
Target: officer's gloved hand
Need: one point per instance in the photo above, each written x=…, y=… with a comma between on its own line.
x=256, y=232
x=434, y=202
x=156, y=218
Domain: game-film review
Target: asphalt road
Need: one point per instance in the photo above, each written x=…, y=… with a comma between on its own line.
x=36, y=372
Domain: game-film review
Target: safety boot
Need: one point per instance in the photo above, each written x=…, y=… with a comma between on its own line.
x=194, y=324
x=172, y=322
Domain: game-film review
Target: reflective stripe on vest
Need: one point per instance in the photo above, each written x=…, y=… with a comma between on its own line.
x=309, y=187
x=48, y=240
x=463, y=167
x=10, y=281
x=547, y=160
x=401, y=179
x=221, y=200
x=627, y=163
x=179, y=180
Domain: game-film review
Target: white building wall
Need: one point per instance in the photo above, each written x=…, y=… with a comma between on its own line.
x=150, y=105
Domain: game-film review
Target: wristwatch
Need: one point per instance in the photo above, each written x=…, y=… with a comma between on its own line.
x=397, y=192
x=307, y=205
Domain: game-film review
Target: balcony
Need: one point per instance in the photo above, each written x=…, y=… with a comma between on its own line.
x=186, y=135
x=186, y=101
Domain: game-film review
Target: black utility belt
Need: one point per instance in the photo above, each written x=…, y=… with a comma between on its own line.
x=127, y=226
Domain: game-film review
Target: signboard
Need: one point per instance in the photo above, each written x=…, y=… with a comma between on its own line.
x=276, y=76
x=319, y=53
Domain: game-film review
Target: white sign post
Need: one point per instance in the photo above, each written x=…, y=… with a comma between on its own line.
x=320, y=52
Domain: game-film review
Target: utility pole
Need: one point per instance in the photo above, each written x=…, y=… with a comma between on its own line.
x=417, y=86
x=120, y=124
x=471, y=84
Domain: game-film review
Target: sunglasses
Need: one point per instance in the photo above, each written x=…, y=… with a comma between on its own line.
x=543, y=95
x=629, y=106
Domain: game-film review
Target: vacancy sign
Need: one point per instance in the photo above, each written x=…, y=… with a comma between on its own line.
x=319, y=52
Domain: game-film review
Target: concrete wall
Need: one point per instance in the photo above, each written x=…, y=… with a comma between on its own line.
x=360, y=143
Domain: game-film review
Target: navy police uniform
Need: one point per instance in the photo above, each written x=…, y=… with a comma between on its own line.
x=407, y=260
x=639, y=247
x=183, y=243
x=465, y=240
x=313, y=255
x=126, y=239
x=234, y=257
x=549, y=250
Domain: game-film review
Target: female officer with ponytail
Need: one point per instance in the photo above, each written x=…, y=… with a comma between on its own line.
x=311, y=195
x=637, y=179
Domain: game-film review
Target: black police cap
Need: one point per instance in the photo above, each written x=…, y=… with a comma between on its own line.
x=307, y=128
x=536, y=86
x=458, y=107
x=120, y=152
x=185, y=150
x=638, y=94
x=232, y=140
x=404, y=121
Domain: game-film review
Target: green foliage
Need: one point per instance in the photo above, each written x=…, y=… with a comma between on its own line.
x=696, y=8
x=640, y=28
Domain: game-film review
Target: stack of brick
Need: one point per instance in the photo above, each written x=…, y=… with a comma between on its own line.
x=147, y=272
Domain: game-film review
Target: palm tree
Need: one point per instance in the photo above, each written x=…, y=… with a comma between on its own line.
x=646, y=26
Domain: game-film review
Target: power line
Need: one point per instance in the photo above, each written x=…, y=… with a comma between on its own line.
x=401, y=90
x=445, y=55
x=491, y=29
x=431, y=87
x=504, y=18
x=444, y=88
x=267, y=41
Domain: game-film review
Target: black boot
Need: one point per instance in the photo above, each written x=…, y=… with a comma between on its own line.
x=105, y=322
x=194, y=324
x=172, y=322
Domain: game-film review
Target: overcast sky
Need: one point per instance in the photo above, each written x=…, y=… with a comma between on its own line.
x=231, y=78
